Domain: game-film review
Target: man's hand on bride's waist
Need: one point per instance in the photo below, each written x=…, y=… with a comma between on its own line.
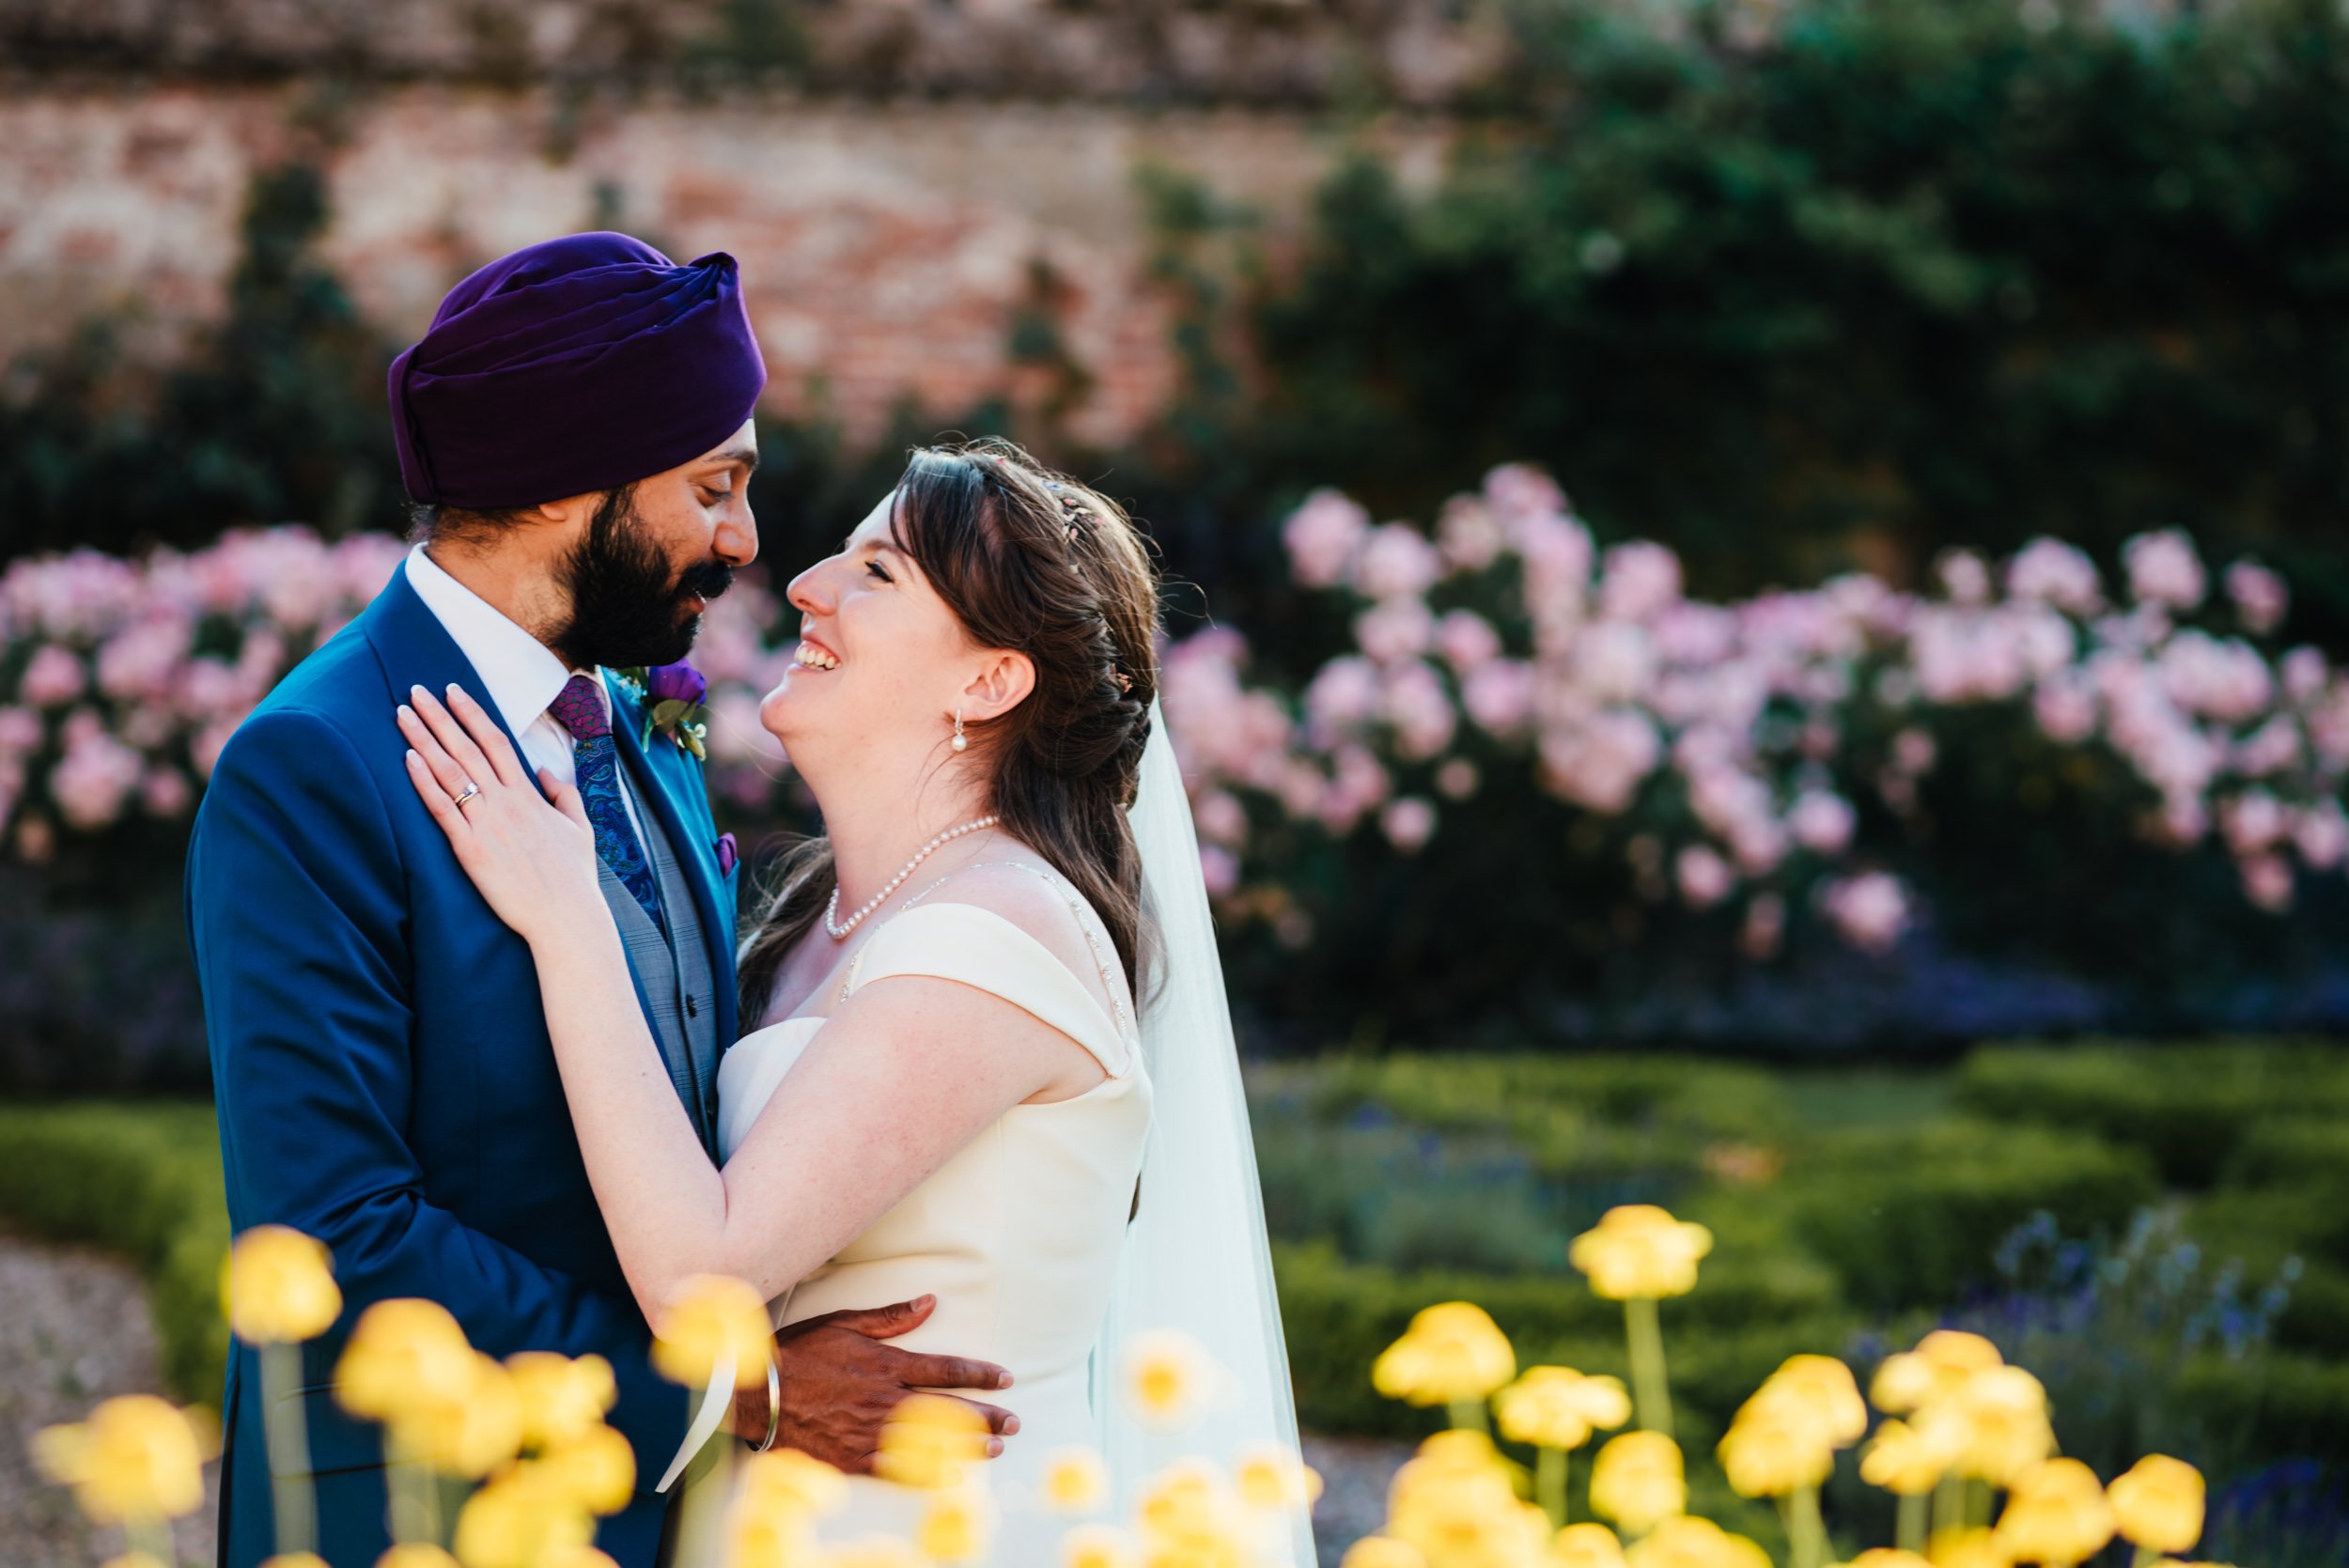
x=840, y=1381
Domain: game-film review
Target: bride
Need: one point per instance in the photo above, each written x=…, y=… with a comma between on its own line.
x=980, y=997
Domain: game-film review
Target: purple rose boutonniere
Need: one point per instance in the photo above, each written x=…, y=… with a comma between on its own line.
x=674, y=697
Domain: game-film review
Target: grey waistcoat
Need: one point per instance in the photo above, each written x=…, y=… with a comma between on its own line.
x=673, y=971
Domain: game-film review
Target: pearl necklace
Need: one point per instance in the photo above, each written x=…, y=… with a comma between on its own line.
x=839, y=933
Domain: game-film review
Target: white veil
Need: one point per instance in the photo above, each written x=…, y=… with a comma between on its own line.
x=1195, y=1258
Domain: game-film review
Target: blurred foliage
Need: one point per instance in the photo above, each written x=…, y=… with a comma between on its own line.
x=278, y=413
x=144, y=1181
x=1907, y=274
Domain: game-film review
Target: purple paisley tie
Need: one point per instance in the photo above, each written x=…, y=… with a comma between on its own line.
x=579, y=710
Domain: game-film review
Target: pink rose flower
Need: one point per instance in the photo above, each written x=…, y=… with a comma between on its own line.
x=1467, y=639
x=1641, y=580
x=2164, y=569
x=2052, y=572
x=1409, y=823
x=2267, y=882
x=1870, y=910
x=1703, y=876
x=1822, y=822
x=1396, y=562
x=2259, y=596
x=54, y=677
x=1323, y=535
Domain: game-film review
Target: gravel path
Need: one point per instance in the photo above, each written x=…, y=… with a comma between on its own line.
x=1354, y=1476
x=73, y=1330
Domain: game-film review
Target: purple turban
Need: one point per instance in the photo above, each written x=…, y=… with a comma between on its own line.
x=578, y=365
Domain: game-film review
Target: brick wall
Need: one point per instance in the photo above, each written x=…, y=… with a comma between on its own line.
x=889, y=246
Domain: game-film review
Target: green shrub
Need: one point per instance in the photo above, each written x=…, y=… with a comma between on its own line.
x=2190, y=1106
x=142, y=1180
x=2291, y=1148
x=1911, y=1217
x=2291, y=1405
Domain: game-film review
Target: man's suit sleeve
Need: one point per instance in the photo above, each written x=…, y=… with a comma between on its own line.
x=299, y=912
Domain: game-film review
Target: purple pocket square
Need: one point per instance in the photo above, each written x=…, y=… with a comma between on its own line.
x=727, y=854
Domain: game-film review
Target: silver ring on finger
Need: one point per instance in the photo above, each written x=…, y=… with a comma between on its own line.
x=467, y=793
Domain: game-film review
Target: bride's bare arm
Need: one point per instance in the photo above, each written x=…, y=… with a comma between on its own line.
x=903, y=1075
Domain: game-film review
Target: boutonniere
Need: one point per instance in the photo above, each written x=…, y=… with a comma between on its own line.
x=674, y=696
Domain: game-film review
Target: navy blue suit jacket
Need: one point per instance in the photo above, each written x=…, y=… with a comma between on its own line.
x=383, y=1070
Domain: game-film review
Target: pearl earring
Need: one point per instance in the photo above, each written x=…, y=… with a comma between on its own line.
x=958, y=743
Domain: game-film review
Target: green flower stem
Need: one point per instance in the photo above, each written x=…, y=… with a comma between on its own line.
x=708, y=1485
x=1977, y=1503
x=1949, y=1505
x=1645, y=1332
x=1911, y=1529
x=1468, y=1415
x=151, y=1535
x=1806, y=1530
x=416, y=1500
x=2145, y=1557
x=288, y=1447
x=1549, y=1483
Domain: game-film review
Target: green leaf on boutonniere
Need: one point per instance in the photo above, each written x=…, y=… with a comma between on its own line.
x=696, y=738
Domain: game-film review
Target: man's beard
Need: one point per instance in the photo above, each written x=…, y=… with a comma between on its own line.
x=627, y=608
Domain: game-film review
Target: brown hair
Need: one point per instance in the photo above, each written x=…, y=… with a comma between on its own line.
x=1031, y=561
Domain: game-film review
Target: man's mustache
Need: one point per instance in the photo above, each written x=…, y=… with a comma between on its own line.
x=705, y=581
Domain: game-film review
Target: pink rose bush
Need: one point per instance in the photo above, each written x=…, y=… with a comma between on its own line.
x=1734, y=755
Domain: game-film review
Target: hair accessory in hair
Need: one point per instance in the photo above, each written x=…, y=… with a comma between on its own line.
x=1124, y=681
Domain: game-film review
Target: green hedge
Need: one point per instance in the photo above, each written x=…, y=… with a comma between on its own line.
x=142, y=1180
x=2191, y=1107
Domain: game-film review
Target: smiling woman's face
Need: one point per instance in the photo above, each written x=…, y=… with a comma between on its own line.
x=881, y=658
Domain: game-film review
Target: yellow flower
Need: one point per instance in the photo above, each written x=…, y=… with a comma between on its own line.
x=2056, y=1515
x=577, y=1556
x=1687, y=1543
x=707, y=1319
x=1451, y=1351
x=136, y=1458
x=1966, y=1548
x=516, y=1520
x=955, y=1526
x=1075, y=1480
x=402, y=1355
x=1937, y=1369
x=1639, y=1251
x=1096, y=1546
x=774, y=1538
x=1825, y=1387
x=927, y=1440
x=2004, y=1415
x=1168, y=1378
x=1383, y=1551
x=1776, y=1447
x=1906, y=1459
x=562, y=1399
x=469, y=1434
x=1586, y=1545
x=1886, y=1557
x=135, y=1560
x=1187, y=1503
x=279, y=1287
x=294, y=1560
x=1270, y=1477
x=1557, y=1407
x=2158, y=1504
x=1637, y=1481
x=786, y=1481
x=595, y=1470
x=415, y=1554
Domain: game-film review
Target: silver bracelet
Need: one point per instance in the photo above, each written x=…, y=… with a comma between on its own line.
x=775, y=1405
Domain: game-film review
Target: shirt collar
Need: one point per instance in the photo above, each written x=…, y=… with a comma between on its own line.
x=521, y=676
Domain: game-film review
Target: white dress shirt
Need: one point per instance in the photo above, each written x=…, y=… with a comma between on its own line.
x=521, y=676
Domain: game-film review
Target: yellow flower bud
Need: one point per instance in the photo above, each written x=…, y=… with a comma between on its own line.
x=707, y=1319
x=595, y=1470
x=577, y=1556
x=1937, y=1369
x=2056, y=1515
x=135, y=1560
x=1558, y=1406
x=1687, y=1543
x=1637, y=1481
x=415, y=1554
x=1586, y=1545
x=1886, y=1557
x=1966, y=1548
x=955, y=1526
x=1383, y=1551
x=2158, y=1504
x=1075, y=1480
x=1274, y=1480
x=2004, y=1412
x=562, y=1399
x=1451, y=1352
x=517, y=1520
x=928, y=1440
x=294, y=1560
x=1639, y=1250
x=1906, y=1459
x=1775, y=1448
x=1097, y=1546
x=1168, y=1378
x=404, y=1354
x=136, y=1458
x=1825, y=1387
x=279, y=1287
x=785, y=1482
x=469, y=1434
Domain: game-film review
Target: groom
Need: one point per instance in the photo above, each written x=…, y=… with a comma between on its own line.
x=576, y=431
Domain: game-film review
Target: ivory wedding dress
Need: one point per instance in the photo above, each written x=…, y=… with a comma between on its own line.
x=1018, y=1236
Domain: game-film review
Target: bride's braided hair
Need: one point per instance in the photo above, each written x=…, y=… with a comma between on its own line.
x=1028, y=560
